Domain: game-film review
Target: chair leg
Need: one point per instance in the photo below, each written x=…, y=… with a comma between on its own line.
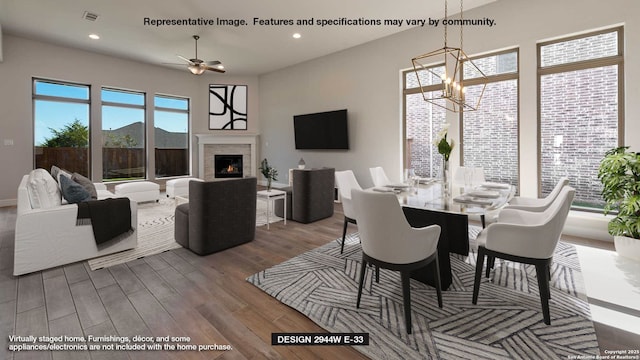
x=543, y=287
x=490, y=263
x=436, y=266
x=363, y=269
x=482, y=219
x=478, y=278
x=377, y=274
x=406, y=296
x=344, y=233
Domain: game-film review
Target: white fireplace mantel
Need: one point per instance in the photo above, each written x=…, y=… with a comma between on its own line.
x=235, y=139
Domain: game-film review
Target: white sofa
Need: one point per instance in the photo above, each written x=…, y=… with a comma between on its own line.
x=49, y=237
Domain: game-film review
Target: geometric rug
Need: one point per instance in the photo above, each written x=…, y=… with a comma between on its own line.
x=156, y=232
x=506, y=323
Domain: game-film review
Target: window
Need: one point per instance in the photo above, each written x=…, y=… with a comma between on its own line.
x=171, y=118
x=490, y=134
x=123, y=135
x=422, y=122
x=580, y=113
x=61, y=125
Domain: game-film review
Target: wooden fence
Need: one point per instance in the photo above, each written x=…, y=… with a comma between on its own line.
x=117, y=163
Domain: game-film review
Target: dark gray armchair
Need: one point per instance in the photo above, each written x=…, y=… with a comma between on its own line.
x=219, y=215
x=310, y=198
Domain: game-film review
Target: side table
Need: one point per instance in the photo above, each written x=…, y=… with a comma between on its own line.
x=270, y=196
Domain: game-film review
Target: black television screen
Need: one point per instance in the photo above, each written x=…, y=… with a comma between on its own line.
x=325, y=130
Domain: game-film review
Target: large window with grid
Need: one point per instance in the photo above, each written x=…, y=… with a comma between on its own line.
x=61, y=125
x=422, y=122
x=490, y=134
x=171, y=124
x=580, y=84
x=123, y=135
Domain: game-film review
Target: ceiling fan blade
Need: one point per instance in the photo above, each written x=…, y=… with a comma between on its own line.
x=215, y=69
x=213, y=63
x=187, y=60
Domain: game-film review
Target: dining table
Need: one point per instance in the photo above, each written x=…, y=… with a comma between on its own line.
x=427, y=202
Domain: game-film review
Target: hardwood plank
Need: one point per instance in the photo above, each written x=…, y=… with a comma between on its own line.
x=125, y=278
x=239, y=335
x=69, y=326
x=152, y=281
x=102, y=329
x=190, y=292
x=7, y=327
x=177, y=262
x=75, y=273
x=30, y=292
x=88, y=305
x=58, y=297
x=53, y=272
x=8, y=289
x=6, y=258
x=159, y=321
x=100, y=277
x=32, y=322
x=156, y=262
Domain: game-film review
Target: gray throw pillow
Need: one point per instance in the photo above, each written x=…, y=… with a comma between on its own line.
x=72, y=191
x=86, y=184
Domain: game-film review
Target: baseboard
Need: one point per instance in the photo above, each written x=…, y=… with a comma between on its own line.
x=8, y=202
x=588, y=225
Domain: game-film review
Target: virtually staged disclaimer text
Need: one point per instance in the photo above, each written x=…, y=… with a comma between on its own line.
x=109, y=343
x=339, y=21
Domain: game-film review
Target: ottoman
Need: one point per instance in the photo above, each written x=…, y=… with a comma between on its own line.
x=179, y=187
x=139, y=191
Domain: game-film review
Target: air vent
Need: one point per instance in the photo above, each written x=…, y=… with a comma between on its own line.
x=90, y=16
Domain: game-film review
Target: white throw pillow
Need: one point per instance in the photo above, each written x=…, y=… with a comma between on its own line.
x=43, y=190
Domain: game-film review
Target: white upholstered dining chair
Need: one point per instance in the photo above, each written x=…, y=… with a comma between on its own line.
x=379, y=177
x=389, y=242
x=535, y=204
x=346, y=181
x=526, y=237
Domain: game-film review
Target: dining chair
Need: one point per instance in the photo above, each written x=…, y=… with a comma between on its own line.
x=466, y=175
x=379, y=177
x=535, y=204
x=346, y=181
x=389, y=242
x=526, y=237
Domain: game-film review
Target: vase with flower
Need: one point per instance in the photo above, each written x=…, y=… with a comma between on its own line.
x=269, y=172
x=445, y=146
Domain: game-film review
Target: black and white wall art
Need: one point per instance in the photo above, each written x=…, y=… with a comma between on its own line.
x=227, y=107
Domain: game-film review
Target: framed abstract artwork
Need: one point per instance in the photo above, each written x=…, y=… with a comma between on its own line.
x=227, y=107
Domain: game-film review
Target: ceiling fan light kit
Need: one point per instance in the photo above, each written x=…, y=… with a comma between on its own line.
x=198, y=66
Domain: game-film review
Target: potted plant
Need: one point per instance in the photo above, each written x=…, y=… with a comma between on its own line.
x=619, y=173
x=268, y=172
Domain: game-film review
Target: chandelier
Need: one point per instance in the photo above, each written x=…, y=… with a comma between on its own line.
x=443, y=84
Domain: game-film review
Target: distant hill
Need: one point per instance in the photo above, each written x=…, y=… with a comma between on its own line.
x=163, y=139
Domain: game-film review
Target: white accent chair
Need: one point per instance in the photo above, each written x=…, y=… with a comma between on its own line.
x=535, y=204
x=379, y=177
x=526, y=237
x=388, y=241
x=346, y=181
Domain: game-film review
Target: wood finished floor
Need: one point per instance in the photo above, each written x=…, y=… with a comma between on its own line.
x=178, y=293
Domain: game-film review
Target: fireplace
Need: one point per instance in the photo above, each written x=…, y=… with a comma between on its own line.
x=228, y=166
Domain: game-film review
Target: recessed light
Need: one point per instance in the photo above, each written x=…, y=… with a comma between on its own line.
x=94, y=36
x=297, y=36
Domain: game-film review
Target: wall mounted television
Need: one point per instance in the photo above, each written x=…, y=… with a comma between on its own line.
x=321, y=131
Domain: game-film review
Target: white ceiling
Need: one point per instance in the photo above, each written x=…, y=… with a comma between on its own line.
x=244, y=50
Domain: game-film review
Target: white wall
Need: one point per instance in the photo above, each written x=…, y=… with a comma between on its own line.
x=24, y=59
x=366, y=81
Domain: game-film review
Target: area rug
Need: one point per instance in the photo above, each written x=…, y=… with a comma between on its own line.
x=506, y=323
x=155, y=232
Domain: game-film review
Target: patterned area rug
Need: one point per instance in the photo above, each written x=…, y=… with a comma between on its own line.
x=155, y=232
x=506, y=323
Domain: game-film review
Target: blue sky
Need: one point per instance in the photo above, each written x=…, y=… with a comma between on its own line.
x=57, y=114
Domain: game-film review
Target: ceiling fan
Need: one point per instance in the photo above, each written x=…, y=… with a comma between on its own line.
x=199, y=66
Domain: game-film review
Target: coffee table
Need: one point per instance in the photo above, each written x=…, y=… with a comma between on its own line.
x=270, y=196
